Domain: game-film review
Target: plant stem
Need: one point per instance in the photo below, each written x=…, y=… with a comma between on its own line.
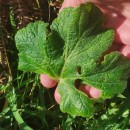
x=11, y=97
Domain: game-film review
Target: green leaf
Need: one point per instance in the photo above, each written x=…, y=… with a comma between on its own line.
x=77, y=40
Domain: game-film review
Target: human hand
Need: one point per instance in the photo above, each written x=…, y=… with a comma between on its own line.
x=117, y=17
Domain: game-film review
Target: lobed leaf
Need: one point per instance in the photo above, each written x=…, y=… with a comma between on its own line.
x=77, y=40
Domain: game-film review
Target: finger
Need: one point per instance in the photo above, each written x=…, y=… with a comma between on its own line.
x=117, y=17
x=57, y=96
x=47, y=82
x=85, y=89
x=90, y=91
x=94, y=92
x=72, y=3
x=125, y=50
x=75, y=3
x=123, y=31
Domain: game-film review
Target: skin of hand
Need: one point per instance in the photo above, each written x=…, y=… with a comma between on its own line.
x=117, y=16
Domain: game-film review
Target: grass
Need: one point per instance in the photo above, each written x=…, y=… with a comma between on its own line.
x=26, y=105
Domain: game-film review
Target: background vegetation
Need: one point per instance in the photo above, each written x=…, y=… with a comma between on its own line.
x=24, y=103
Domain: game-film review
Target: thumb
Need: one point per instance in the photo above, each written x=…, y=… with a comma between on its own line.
x=72, y=3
